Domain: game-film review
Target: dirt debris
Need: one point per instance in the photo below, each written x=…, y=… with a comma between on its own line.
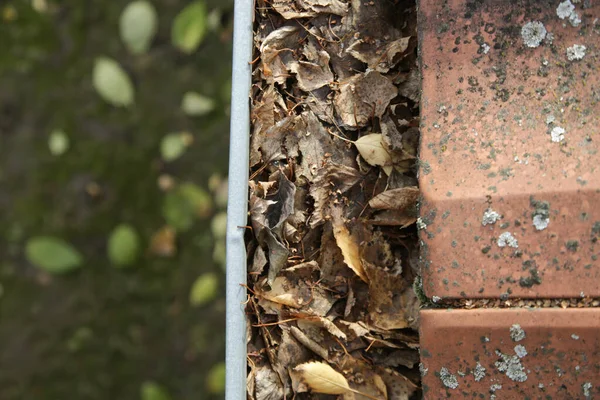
x=333, y=249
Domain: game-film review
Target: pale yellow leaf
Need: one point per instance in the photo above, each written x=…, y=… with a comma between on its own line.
x=348, y=246
x=374, y=151
x=321, y=378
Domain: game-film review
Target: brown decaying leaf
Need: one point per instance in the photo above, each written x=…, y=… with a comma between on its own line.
x=392, y=302
x=363, y=97
x=396, y=199
x=332, y=178
x=381, y=58
x=347, y=244
x=162, y=242
x=290, y=9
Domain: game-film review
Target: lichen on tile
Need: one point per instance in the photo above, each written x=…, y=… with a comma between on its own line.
x=520, y=351
x=479, y=372
x=448, y=379
x=517, y=333
x=511, y=366
x=565, y=9
x=533, y=33
x=576, y=52
x=490, y=217
x=540, y=222
x=507, y=239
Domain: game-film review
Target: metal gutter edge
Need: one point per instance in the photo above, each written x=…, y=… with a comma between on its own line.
x=237, y=207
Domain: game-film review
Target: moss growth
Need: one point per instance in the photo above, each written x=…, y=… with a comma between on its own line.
x=99, y=333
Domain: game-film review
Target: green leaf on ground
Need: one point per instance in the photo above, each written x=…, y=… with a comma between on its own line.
x=52, y=254
x=138, y=25
x=215, y=380
x=153, y=391
x=189, y=27
x=172, y=146
x=112, y=82
x=218, y=225
x=58, y=142
x=204, y=289
x=184, y=204
x=199, y=199
x=196, y=105
x=123, y=246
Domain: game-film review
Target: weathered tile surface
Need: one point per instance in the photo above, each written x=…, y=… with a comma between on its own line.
x=511, y=353
x=489, y=106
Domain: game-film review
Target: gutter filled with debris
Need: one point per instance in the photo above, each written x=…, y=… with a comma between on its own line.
x=333, y=249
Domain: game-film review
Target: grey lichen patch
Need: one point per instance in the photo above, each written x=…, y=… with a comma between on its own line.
x=448, y=379
x=495, y=387
x=511, y=366
x=557, y=134
x=566, y=10
x=490, y=217
x=517, y=333
x=540, y=222
x=421, y=225
x=587, y=389
x=520, y=351
x=541, y=214
x=574, y=337
x=533, y=33
x=423, y=370
x=479, y=372
x=576, y=52
x=507, y=239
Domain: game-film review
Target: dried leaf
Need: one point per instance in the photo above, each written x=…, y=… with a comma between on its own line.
x=315, y=73
x=308, y=8
x=347, y=244
x=363, y=97
x=278, y=254
x=322, y=378
x=379, y=58
x=267, y=384
x=374, y=151
x=276, y=53
x=298, y=294
x=396, y=199
x=332, y=178
x=392, y=301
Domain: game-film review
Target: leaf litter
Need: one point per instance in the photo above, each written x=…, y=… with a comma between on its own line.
x=333, y=249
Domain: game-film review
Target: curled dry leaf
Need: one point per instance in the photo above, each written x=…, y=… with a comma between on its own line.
x=321, y=378
x=347, y=244
x=276, y=50
x=363, y=97
x=380, y=58
x=396, y=199
x=374, y=151
x=308, y=8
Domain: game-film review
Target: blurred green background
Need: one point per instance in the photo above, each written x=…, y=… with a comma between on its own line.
x=113, y=157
